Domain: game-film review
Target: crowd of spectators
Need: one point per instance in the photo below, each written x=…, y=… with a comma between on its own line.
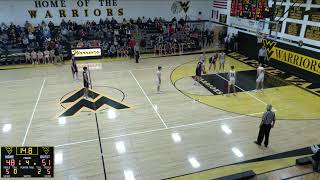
x=47, y=42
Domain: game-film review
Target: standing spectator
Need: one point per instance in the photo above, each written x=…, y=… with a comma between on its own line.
x=262, y=55
x=131, y=44
x=137, y=52
x=268, y=121
x=25, y=41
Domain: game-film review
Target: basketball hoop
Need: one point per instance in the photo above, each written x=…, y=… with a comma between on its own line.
x=267, y=29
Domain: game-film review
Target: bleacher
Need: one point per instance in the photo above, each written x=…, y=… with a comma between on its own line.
x=14, y=53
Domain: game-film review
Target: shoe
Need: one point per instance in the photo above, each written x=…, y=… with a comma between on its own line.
x=256, y=142
x=266, y=146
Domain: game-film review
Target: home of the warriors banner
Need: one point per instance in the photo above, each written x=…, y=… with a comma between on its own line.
x=297, y=59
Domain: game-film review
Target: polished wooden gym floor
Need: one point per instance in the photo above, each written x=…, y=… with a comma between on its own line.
x=182, y=130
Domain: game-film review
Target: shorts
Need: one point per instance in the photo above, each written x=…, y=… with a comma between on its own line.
x=198, y=73
x=222, y=61
x=86, y=84
x=260, y=79
x=232, y=82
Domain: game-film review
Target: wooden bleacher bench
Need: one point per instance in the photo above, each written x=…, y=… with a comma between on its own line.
x=238, y=176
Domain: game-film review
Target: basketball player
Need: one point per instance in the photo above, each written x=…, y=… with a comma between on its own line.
x=85, y=82
x=202, y=58
x=260, y=77
x=222, y=60
x=74, y=68
x=232, y=80
x=213, y=60
x=158, y=79
x=199, y=69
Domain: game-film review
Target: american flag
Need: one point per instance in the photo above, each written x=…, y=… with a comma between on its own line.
x=222, y=4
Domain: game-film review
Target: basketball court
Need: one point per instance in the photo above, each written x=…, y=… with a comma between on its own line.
x=183, y=130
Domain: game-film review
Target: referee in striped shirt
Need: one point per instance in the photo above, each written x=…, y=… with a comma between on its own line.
x=268, y=121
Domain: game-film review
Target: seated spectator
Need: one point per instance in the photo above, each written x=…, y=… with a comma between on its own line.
x=155, y=49
x=40, y=57
x=25, y=41
x=56, y=55
x=34, y=57
x=149, y=22
x=60, y=50
x=27, y=56
x=80, y=44
x=51, y=55
x=112, y=51
x=51, y=25
x=46, y=56
x=31, y=37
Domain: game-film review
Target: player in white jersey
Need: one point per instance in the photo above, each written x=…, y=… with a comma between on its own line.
x=158, y=79
x=222, y=60
x=202, y=58
x=232, y=80
x=260, y=77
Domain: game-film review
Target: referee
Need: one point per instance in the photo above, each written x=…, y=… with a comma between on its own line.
x=268, y=121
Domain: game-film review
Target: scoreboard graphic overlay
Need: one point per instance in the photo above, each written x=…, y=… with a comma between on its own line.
x=27, y=162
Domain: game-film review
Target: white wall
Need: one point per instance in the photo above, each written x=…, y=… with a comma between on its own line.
x=17, y=10
x=304, y=23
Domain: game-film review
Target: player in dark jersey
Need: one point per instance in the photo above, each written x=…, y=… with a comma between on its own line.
x=212, y=61
x=199, y=70
x=85, y=81
x=74, y=68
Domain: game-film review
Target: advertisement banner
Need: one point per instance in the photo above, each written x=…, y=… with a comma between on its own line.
x=94, y=52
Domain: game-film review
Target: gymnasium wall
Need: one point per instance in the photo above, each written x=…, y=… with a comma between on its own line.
x=297, y=61
x=294, y=25
x=18, y=11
